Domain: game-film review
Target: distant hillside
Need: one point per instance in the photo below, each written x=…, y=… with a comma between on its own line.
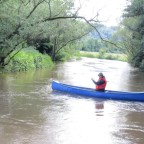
x=106, y=32
x=93, y=43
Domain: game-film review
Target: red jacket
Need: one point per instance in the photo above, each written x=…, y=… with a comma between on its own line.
x=101, y=86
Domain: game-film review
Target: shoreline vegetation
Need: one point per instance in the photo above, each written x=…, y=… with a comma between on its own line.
x=30, y=59
x=58, y=33
x=104, y=55
x=27, y=60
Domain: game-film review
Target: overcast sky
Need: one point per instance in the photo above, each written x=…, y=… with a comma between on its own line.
x=109, y=10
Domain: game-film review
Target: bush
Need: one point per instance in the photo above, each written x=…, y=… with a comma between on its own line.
x=102, y=53
x=28, y=60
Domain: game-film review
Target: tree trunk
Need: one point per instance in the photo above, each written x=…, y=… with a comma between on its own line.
x=54, y=49
x=2, y=59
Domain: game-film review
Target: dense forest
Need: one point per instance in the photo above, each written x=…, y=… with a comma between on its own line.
x=43, y=25
x=33, y=33
x=131, y=32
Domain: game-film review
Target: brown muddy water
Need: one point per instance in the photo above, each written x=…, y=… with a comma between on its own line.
x=31, y=113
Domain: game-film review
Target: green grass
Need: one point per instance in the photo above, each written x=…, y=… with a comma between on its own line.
x=109, y=56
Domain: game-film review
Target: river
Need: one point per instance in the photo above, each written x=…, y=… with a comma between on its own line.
x=31, y=113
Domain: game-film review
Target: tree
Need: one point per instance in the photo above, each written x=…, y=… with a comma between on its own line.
x=133, y=37
x=92, y=42
x=22, y=21
x=55, y=21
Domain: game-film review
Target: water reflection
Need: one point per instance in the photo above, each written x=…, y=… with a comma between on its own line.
x=135, y=80
x=79, y=124
x=99, y=106
x=31, y=113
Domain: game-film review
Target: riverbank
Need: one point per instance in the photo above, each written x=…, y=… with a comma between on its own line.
x=103, y=55
x=28, y=59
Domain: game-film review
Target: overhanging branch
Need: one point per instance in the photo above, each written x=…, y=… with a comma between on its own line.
x=87, y=21
x=71, y=41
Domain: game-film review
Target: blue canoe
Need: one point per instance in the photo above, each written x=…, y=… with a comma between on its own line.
x=88, y=92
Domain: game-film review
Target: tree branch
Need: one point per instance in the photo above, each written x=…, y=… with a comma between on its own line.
x=8, y=55
x=49, y=7
x=34, y=8
x=87, y=21
x=19, y=25
x=71, y=41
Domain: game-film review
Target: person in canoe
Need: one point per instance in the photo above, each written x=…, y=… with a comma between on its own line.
x=101, y=83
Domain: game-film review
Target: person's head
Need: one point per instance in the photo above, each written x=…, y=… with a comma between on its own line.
x=100, y=74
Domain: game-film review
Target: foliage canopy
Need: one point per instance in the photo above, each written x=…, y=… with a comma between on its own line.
x=48, y=25
x=133, y=32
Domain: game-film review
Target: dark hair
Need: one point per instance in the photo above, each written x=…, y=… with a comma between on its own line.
x=100, y=74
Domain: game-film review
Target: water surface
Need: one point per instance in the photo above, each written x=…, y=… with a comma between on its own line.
x=31, y=113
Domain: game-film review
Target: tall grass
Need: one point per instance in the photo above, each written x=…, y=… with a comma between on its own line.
x=104, y=55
